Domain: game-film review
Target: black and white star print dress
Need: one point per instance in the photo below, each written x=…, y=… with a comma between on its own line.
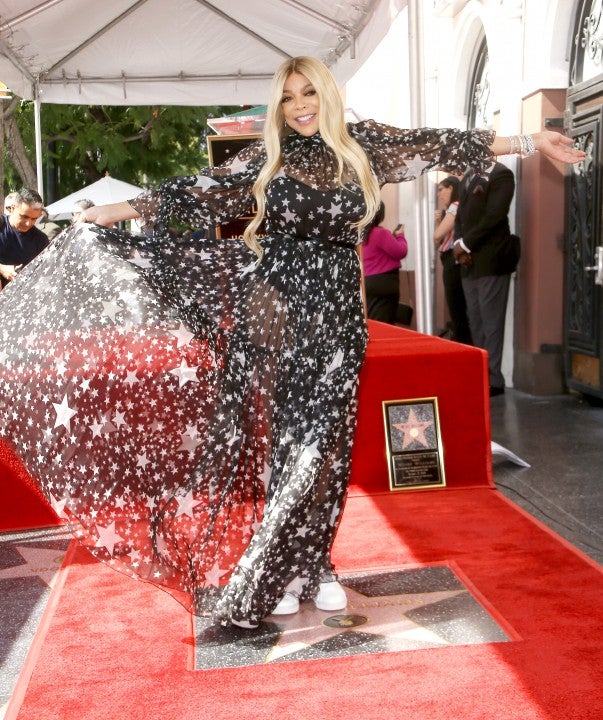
x=188, y=410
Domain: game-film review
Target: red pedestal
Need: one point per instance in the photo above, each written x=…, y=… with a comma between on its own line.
x=404, y=365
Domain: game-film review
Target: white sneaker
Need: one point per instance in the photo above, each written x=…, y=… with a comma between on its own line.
x=247, y=624
x=288, y=605
x=331, y=596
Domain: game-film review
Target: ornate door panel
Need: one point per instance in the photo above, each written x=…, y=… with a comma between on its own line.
x=583, y=322
x=583, y=296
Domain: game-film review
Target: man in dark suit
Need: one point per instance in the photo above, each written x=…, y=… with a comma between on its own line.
x=482, y=238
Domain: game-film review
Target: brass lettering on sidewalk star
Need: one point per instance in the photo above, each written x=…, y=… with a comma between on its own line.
x=413, y=443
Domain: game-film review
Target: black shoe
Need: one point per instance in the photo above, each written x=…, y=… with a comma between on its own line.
x=496, y=391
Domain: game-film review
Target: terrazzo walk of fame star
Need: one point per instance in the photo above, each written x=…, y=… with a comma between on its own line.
x=387, y=611
x=30, y=561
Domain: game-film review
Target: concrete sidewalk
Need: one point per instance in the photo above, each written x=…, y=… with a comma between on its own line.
x=561, y=437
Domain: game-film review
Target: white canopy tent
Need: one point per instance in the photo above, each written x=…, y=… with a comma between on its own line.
x=187, y=52
x=178, y=52
x=103, y=191
x=181, y=52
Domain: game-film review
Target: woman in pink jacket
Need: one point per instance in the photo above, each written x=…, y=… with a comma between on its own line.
x=381, y=254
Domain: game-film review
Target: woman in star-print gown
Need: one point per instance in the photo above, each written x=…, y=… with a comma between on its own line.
x=188, y=406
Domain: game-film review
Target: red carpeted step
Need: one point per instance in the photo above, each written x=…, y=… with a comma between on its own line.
x=21, y=503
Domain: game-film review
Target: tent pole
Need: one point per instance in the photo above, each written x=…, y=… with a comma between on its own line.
x=417, y=107
x=38, y=137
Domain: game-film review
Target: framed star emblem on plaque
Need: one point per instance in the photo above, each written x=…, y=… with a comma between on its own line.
x=414, y=444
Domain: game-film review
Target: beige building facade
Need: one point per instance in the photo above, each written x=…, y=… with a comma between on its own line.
x=515, y=66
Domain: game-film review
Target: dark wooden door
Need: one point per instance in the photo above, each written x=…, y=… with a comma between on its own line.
x=584, y=251
x=583, y=321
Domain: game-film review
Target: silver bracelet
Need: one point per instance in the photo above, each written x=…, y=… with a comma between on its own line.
x=531, y=145
x=512, y=145
x=527, y=145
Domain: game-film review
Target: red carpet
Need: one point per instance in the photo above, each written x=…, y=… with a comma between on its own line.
x=113, y=648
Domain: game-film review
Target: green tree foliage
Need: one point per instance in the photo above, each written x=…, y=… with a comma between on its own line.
x=139, y=144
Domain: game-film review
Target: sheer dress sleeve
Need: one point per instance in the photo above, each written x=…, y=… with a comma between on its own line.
x=397, y=155
x=213, y=196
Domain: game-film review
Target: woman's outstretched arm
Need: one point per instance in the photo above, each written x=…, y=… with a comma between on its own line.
x=552, y=144
x=110, y=214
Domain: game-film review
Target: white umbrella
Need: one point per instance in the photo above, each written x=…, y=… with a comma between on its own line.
x=103, y=191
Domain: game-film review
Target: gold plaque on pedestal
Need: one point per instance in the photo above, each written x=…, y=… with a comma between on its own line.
x=414, y=444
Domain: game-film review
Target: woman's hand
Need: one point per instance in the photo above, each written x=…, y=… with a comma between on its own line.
x=548, y=142
x=557, y=147
x=108, y=215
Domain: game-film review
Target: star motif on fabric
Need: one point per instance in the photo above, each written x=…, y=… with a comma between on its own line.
x=186, y=504
x=64, y=414
x=182, y=335
x=131, y=377
x=142, y=460
x=120, y=502
x=266, y=475
x=97, y=428
x=336, y=362
x=288, y=216
x=413, y=430
x=58, y=506
x=190, y=440
x=108, y=538
x=334, y=210
x=185, y=374
x=111, y=308
x=416, y=166
x=142, y=262
x=212, y=577
x=119, y=419
x=60, y=367
x=94, y=266
x=310, y=453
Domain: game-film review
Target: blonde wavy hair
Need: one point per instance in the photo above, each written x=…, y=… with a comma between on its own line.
x=351, y=158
